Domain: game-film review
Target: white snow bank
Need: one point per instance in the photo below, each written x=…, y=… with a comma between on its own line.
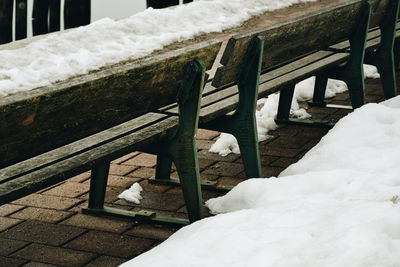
x=226, y=143
x=338, y=206
x=133, y=194
x=61, y=55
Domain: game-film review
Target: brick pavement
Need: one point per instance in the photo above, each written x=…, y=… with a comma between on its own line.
x=48, y=229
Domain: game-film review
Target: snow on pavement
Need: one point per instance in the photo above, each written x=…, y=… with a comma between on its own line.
x=338, y=206
x=61, y=55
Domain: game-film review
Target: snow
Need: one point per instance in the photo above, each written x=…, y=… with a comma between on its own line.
x=338, y=206
x=133, y=194
x=265, y=117
x=61, y=55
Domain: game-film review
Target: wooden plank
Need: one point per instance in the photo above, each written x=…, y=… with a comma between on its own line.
x=292, y=38
x=77, y=147
x=76, y=13
x=6, y=11
x=81, y=162
x=292, y=73
x=21, y=16
x=36, y=121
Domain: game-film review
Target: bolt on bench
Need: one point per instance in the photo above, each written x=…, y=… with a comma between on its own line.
x=50, y=134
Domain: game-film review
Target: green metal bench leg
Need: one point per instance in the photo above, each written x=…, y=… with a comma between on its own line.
x=353, y=72
x=285, y=103
x=397, y=54
x=242, y=124
x=321, y=81
x=98, y=184
x=163, y=167
x=182, y=148
x=383, y=57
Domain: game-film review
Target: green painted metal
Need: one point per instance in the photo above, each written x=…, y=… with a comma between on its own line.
x=242, y=124
x=397, y=54
x=352, y=73
x=383, y=57
x=285, y=102
x=205, y=184
x=98, y=184
x=181, y=150
x=143, y=216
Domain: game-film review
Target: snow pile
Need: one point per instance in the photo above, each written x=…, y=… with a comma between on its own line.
x=226, y=143
x=62, y=55
x=338, y=206
x=133, y=194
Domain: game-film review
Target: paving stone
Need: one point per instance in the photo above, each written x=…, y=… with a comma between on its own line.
x=106, y=261
x=125, y=158
x=7, y=209
x=154, y=187
x=39, y=264
x=39, y=214
x=46, y=201
x=311, y=143
x=321, y=110
x=265, y=160
x=40, y=232
x=230, y=181
x=142, y=160
x=54, y=255
x=68, y=189
x=224, y=169
x=157, y=232
x=99, y=223
x=80, y=178
x=208, y=177
x=280, y=152
x=204, y=134
x=204, y=163
x=8, y=246
x=288, y=142
x=283, y=162
x=269, y=171
x=121, y=170
x=157, y=201
x=205, y=154
x=122, y=181
x=204, y=144
x=313, y=132
x=111, y=194
x=11, y=262
x=6, y=223
x=285, y=130
x=100, y=242
x=143, y=173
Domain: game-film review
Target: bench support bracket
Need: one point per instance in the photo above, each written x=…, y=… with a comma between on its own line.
x=242, y=124
x=181, y=150
x=352, y=73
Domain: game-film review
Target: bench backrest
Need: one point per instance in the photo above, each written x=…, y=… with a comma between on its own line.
x=291, y=39
x=42, y=119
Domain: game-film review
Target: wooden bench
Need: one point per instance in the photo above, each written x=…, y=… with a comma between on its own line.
x=50, y=134
x=379, y=51
x=266, y=60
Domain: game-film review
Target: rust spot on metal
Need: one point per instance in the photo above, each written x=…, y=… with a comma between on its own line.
x=29, y=120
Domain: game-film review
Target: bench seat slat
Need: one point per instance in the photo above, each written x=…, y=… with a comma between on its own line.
x=216, y=105
x=78, y=146
x=83, y=161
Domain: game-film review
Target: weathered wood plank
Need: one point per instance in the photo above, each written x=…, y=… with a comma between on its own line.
x=69, y=167
x=6, y=10
x=35, y=121
x=21, y=17
x=293, y=38
x=77, y=147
